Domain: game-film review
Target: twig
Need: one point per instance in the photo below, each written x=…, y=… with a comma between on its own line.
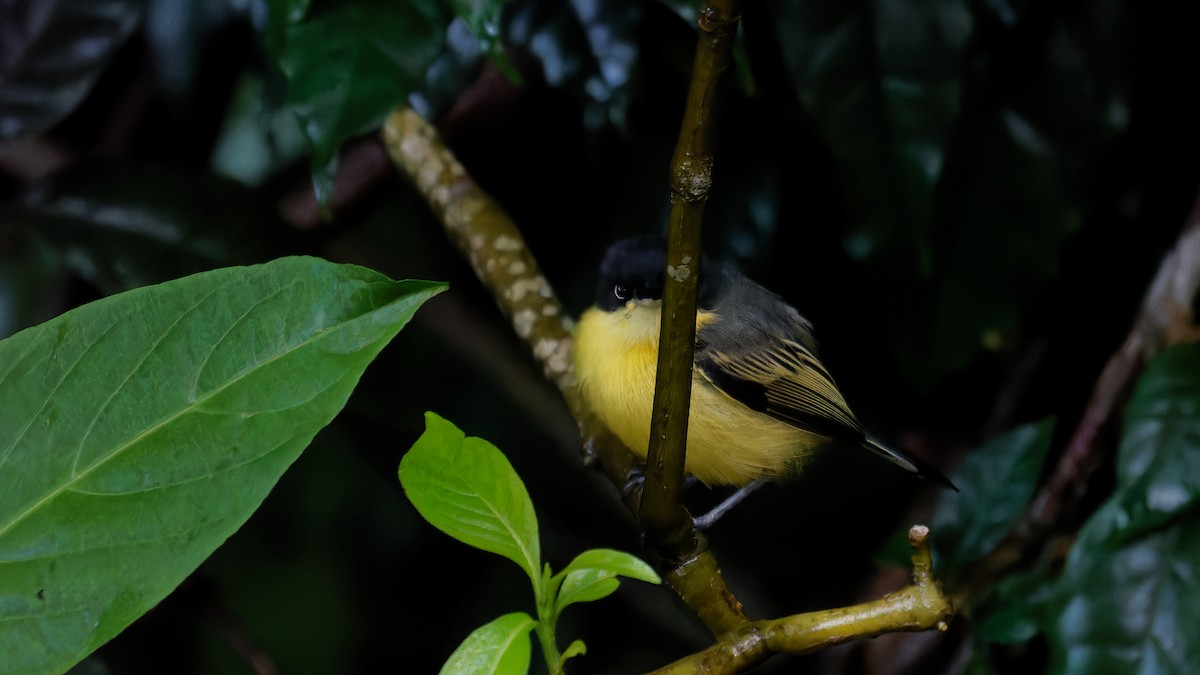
x=490, y=241
x=662, y=515
x=919, y=606
x=487, y=237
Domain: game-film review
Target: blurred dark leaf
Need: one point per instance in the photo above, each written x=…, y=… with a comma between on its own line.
x=122, y=225
x=348, y=65
x=1126, y=599
x=965, y=188
x=258, y=136
x=1008, y=615
x=996, y=482
x=28, y=277
x=482, y=17
x=588, y=49
x=883, y=80
x=52, y=52
x=178, y=31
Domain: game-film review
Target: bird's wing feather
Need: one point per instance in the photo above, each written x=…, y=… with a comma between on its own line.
x=773, y=368
x=785, y=381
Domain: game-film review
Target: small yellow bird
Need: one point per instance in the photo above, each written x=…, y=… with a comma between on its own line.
x=761, y=399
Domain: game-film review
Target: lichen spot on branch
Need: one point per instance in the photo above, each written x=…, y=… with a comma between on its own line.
x=507, y=244
x=523, y=322
x=523, y=287
x=680, y=273
x=553, y=353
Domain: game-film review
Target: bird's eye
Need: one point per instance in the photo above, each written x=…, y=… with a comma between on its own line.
x=621, y=291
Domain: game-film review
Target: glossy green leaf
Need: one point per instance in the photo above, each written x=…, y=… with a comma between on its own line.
x=349, y=64
x=617, y=562
x=995, y=484
x=1158, y=464
x=138, y=432
x=1125, y=602
x=501, y=647
x=52, y=53
x=465, y=487
x=586, y=585
x=1131, y=609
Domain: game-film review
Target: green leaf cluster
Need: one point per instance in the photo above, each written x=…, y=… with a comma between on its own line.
x=466, y=488
x=1122, y=601
x=347, y=64
x=138, y=432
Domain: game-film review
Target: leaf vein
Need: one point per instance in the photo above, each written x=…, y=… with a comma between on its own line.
x=317, y=335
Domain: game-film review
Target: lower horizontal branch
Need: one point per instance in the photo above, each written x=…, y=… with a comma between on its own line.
x=917, y=607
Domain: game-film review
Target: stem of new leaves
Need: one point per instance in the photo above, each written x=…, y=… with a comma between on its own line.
x=661, y=514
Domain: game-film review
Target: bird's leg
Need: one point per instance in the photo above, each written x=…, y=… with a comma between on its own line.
x=709, y=519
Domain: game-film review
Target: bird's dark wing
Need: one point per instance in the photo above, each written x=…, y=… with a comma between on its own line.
x=785, y=380
x=762, y=353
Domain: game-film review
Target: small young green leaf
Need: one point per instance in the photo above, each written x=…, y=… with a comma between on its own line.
x=592, y=576
x=465, y=487
x=617, y=562
x=576, y=648
x=996, y=482
x=138, y=432
x=501, y=647
x=584, y=585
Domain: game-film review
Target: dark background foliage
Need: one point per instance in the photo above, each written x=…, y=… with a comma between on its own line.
x=967, y=198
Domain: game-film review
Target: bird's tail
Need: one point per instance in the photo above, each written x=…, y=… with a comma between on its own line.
x=909, y=463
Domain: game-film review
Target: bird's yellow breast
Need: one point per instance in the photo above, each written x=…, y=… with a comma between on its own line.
x=616, y=356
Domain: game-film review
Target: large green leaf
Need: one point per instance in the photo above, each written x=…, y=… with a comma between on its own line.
x=1125, y=602
x=138, y=432
x=465, y=487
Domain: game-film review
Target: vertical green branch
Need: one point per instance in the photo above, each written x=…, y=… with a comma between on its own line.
x=691, y=177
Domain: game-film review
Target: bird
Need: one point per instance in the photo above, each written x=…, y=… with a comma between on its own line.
x=762, y=403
